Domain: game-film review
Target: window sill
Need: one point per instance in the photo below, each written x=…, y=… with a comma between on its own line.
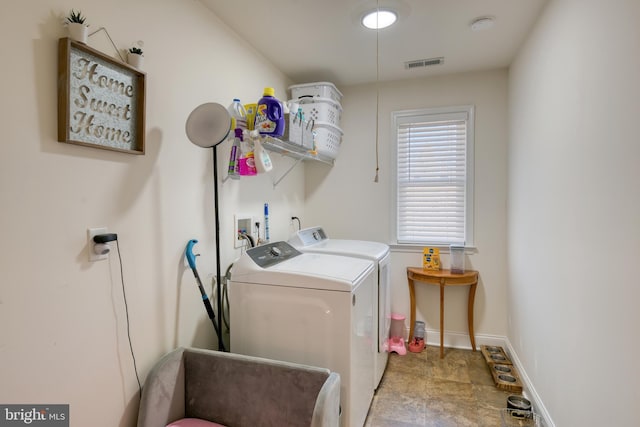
x=396, y=248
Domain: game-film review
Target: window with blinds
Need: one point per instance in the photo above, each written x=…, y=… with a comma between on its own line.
x=434, y=176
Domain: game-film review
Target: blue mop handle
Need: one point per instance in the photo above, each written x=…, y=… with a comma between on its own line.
x=191, y=258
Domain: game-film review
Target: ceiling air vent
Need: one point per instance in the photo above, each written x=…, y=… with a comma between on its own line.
x=419, y=63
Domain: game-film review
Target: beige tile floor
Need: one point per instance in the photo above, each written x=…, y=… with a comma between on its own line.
x=420, y=389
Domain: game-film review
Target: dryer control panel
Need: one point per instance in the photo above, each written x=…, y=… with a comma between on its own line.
x=272, y=253
x=309, y=236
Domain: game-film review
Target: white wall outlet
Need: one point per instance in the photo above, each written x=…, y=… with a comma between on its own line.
x=242, y=223
x=91, y=244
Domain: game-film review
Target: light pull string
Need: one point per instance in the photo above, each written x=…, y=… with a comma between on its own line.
x=375, y=179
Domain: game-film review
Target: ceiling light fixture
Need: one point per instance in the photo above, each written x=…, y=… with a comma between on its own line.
x=379, y=18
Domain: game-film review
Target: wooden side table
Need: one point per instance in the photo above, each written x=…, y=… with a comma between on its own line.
x=442, y=278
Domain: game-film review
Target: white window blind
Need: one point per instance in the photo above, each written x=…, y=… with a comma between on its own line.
x=433, y=176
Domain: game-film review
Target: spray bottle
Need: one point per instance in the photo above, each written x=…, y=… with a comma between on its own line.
x=263, y=161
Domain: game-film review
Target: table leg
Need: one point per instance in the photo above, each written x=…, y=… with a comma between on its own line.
x=472, y=296
x=412, y=299
x=442, y=319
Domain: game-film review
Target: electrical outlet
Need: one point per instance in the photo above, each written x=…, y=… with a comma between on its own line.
x=242, y=223
x=257, y=227
x=94, y=232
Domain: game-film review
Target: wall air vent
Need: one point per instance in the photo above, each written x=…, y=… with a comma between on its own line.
x=419, y=63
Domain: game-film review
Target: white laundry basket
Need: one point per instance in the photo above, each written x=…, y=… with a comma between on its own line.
x=327, y=139
x=321, y=110
x=316, y=90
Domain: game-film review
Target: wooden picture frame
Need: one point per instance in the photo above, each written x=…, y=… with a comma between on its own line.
x=101, y=101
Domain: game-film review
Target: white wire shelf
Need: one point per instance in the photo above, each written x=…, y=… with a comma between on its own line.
x=292, y=150
x=295, y=151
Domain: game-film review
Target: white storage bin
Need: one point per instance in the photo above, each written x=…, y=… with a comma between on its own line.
x=321, y=110
x=327, y=139
x=316, y=90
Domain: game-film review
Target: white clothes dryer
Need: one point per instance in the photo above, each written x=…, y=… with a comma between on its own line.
x=315, y=240
x=314, y=309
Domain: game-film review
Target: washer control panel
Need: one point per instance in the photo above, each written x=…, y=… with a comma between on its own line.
x=272, y=253
x=309, y=236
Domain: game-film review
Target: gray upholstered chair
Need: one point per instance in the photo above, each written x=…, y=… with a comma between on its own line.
x=238, y=391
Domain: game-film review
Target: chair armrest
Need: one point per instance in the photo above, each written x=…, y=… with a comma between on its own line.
x=163, y=393
x=327, y=410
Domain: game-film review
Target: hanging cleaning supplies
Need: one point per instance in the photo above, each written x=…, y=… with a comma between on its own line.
x=246, y=164
x=270, y=115
x=234, y=156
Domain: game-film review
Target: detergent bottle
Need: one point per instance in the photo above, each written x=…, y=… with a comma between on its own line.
x=251, y=115
x=238, y=115
x=269, y=115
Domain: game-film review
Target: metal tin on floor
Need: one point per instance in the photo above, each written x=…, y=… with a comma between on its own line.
x=517, y=418
x=518, y=402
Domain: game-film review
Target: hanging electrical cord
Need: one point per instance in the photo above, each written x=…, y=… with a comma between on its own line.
x=295, y=218
x=225, y=297
x=126, y=310
x=225, y=326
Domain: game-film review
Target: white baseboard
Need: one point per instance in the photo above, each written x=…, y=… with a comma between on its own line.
x=461, y=340
x=529, y=390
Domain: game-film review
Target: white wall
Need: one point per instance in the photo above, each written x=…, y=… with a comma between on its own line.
x=347, y=202
x=63, y=335
x=572, y=214
x=574, y=209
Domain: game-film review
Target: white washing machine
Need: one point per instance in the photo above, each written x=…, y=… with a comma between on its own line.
x=315, y=240
x=308, y=308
